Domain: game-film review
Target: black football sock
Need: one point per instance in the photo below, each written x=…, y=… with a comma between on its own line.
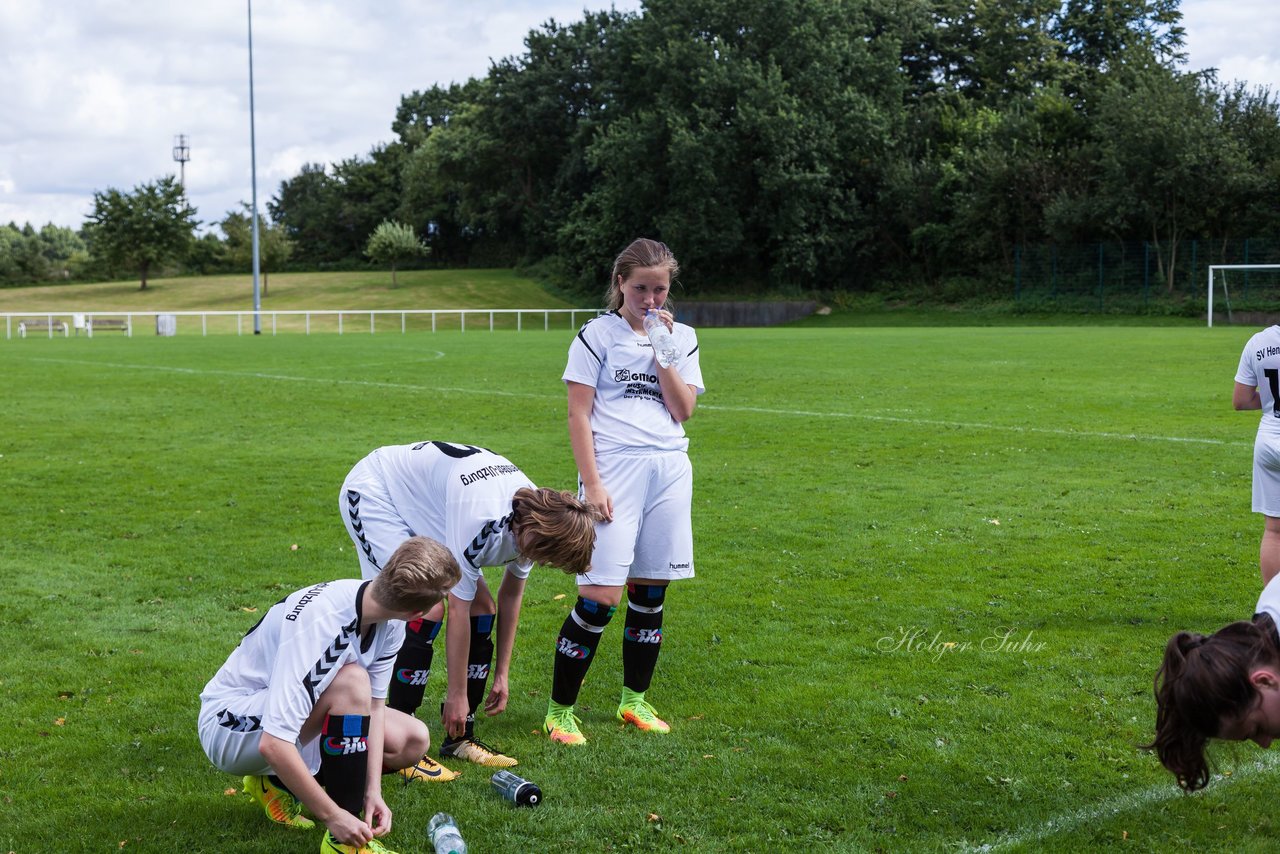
x=576, y=647
x=413, y=666
x=642, y=636
x=344, y=759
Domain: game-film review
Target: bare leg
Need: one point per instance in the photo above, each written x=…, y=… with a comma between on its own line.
x=1269, y=552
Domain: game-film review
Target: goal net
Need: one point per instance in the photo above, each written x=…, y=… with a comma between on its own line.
x=1243, y=293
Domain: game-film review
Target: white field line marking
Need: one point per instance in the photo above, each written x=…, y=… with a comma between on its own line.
x=978, y=425
x=286, y=378
x=1263, y=765
x=803, y=413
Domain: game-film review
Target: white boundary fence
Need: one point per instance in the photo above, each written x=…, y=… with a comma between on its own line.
x=25, y=323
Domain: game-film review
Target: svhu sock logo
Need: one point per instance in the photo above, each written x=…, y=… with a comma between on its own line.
x=569, y=649
x=345, y=744
x=477, y=671
x=409, y=676
x=644, y=635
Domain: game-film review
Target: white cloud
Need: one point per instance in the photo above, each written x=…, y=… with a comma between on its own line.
x=1237, y=37
x=94, y=91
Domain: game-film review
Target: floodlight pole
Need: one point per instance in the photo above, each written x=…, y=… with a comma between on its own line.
x=253, y=169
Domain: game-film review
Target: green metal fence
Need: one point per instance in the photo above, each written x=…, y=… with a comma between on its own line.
x=1134, y=276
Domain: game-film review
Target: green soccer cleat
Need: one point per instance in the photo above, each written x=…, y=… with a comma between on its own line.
x=635, y=710
x=475, y=750
x=279, y=804
x=561, y=725
x=329, y=845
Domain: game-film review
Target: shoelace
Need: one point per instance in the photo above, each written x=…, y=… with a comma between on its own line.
x=480, y=744
x=642, y=709
x=564, y=719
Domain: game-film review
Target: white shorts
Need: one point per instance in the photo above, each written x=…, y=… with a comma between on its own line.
x=231, y=735
x=372, y=521
x=651, y=535
x=1266, y=475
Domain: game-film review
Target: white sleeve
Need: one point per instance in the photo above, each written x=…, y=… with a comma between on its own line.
x=392, y=635
x=1245, y=374
x=586, y=358
x=689, y=366
x=289, y=697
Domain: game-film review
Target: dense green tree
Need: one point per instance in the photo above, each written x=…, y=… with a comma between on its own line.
x=1166, y=168
x=307, y=207
x=814, y=143
x=392, y=243
x=139, y=230
x=274, y=246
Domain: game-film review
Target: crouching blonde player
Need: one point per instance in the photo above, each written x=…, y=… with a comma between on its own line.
x=304, y=693
x=1220, y=686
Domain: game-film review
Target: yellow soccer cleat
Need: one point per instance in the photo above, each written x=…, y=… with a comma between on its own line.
x=474, y=750
x=279, y=804
x=428, y=771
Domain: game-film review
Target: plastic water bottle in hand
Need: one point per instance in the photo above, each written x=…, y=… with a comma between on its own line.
x=444, y=835
x=664, y=343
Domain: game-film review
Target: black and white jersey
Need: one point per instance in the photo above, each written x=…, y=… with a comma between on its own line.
x=460, y=496
x=629, y=413
x=1260, y=367
x=296, y=650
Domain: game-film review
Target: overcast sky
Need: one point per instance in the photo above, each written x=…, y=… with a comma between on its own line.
x=93, y=92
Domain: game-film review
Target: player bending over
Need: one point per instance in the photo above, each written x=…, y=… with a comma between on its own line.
x=1224, y=686
x=305, y=692
x=488, y=513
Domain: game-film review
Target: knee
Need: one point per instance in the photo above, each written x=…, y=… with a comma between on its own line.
x=416, y=737
x=350, y=692
x=592, y=614
x=646, y=597
x=406, y=737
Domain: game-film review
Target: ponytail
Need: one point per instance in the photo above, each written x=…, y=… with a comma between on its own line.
x=1202, y=681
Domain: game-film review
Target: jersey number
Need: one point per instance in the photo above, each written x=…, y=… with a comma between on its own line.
x=455, y=451
x=1273, y=380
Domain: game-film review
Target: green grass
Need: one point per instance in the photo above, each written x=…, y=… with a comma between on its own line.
x=441, y=289
x=1084, y=490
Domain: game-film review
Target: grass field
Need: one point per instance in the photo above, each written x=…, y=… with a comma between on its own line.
x=444, y=289
x=936, y=568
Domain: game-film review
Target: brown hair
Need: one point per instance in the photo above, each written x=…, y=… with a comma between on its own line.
x=416, y=576
x=554, y=528
x=642, y=252
x=1202, y=682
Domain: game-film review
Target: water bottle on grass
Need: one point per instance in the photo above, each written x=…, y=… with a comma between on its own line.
x=516, y=789
x=445, y=837
x=664, y=343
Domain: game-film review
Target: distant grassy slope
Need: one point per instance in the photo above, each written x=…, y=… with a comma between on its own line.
x=420, y=289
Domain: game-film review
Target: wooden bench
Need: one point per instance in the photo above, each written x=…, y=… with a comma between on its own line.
x=103, y=324
x=42, y=324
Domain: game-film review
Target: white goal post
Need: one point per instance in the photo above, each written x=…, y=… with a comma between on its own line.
x=1225, y=294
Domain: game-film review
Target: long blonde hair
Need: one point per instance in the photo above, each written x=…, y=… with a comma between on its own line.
x=642, y=252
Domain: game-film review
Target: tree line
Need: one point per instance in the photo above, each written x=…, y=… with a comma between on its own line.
x=812, y=145
x=816, y=144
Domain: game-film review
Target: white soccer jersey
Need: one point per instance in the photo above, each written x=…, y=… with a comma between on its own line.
x=1260, y=367
x=1269, y=601
x=458, y=495
x=629, y=412
x=297, y=649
